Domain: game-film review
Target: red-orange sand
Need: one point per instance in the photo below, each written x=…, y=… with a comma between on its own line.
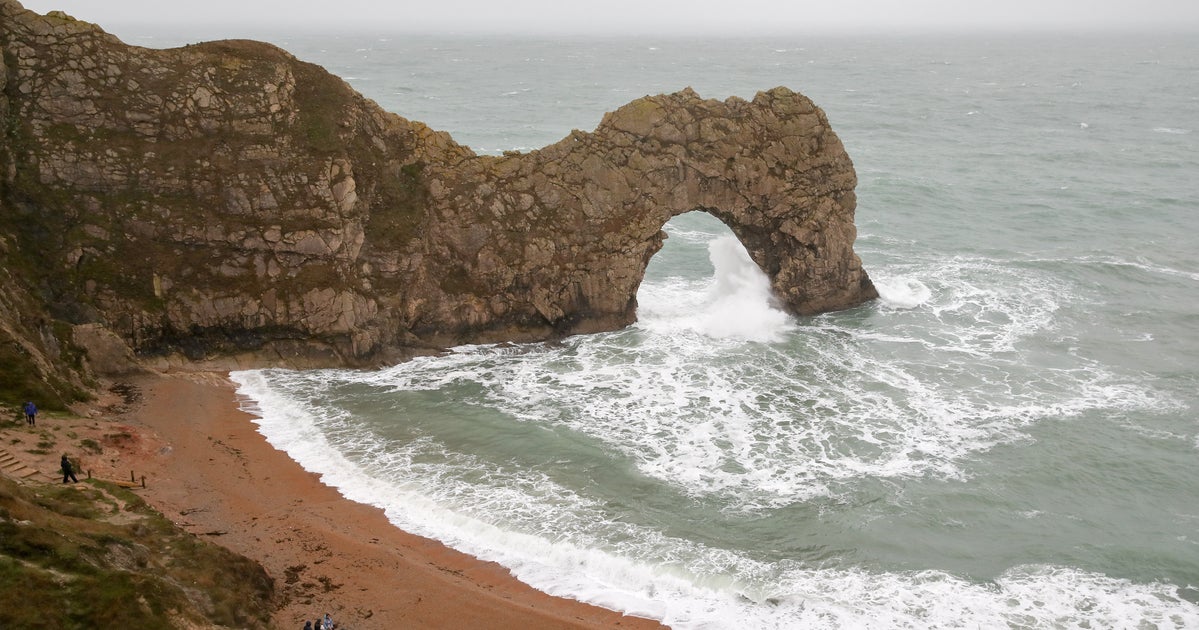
x=208, y=469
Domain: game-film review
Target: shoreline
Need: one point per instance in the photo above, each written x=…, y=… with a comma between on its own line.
x=209, y=470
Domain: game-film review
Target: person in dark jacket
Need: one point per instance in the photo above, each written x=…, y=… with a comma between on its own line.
x=30, y=413
x=68, y=472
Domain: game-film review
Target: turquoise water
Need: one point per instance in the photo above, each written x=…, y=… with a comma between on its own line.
x=1007, y=438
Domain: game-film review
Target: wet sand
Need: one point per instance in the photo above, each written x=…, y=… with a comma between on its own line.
x=209, y=470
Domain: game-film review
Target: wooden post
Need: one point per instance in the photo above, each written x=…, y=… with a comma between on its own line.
x=143, y=481
x=132, y=479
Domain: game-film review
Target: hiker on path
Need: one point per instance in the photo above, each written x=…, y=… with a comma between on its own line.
x=30, y=413
x=67, y=471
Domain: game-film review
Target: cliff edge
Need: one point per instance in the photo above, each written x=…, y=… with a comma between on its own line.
x=228, y=199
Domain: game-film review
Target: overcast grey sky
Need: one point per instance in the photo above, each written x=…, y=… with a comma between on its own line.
x=641, y=16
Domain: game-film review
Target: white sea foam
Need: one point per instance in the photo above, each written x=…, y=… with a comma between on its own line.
x=691, y=412
x=899, y=292
x=1171, y=130
x=758, y=424
x=1139, y=262
x=563, y=544
x=1145, y=265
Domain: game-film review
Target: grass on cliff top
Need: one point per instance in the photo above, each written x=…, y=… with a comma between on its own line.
x=20, y=380
x=93, y=555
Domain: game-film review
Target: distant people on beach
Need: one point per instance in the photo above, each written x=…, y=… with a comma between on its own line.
x=68, y=471
x=30, y=413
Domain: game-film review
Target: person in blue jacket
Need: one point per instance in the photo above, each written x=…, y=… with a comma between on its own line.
x=30, y=413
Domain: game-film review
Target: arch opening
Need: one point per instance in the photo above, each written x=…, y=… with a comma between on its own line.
x=703, y=281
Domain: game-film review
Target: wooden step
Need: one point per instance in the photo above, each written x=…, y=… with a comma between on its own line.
x=14, y=466
x=20, y=471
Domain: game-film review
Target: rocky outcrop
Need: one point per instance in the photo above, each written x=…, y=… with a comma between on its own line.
x=226, y=196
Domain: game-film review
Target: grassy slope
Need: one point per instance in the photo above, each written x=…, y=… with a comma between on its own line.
x=94, y=555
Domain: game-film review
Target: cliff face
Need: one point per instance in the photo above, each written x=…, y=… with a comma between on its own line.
x=227, y=197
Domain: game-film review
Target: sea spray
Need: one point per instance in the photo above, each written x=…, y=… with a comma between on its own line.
x=728, y=299
x=739, y=304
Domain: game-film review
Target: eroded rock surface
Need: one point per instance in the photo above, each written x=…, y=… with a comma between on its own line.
x=226, y=197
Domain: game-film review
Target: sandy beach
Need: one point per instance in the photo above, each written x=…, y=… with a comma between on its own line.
x=209, y=470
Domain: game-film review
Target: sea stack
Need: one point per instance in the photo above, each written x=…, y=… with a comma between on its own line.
x=229, y=200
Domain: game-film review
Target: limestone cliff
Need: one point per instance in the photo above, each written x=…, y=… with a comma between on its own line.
x=227, y=197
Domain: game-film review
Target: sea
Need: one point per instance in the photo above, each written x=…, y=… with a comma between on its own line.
x=1007, y=438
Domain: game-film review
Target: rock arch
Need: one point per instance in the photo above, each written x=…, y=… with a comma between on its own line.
x=228, y=198
x=770, y=169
